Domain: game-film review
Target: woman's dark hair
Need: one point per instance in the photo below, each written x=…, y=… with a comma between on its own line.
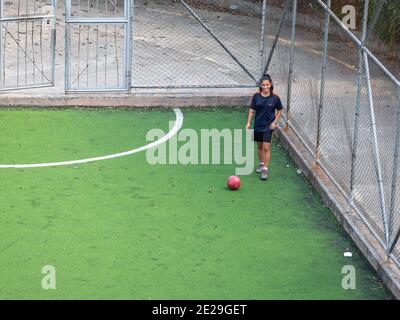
x=267, y=77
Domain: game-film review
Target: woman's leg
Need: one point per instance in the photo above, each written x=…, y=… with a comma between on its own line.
x=266, y=153
x=266, y=156
x=260, y=152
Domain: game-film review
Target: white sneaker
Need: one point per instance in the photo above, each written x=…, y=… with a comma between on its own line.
x=259, y=167
x=264, y=174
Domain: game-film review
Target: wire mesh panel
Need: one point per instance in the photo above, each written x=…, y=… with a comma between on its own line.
x=243, y=44
x=27, y=43
x=359, y=118
x=305, y=94
x=278, y=67
x=386, y=103
x=366, y=193
x=97, y=8
x=337, y=116
x=98, y=45
x=394, y=209
x=180, y=46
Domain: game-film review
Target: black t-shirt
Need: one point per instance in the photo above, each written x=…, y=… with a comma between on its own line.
x=265, y=108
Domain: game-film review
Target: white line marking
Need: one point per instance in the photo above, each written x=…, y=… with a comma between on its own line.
x=177, y=126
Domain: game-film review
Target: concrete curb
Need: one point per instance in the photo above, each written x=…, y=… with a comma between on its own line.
x=334, y=200
x=163, y=99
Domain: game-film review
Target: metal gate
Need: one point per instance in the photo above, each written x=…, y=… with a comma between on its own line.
x=27, y=43
x=98, y=41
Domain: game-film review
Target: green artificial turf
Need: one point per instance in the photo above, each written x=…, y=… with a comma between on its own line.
x=125, y=229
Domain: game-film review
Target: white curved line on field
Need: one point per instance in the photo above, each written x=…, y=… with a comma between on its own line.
x=177, y=126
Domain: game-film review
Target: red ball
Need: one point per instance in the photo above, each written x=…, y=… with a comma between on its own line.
x=233, y=182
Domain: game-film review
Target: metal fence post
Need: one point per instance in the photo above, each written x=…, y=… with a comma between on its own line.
x=127, y=46
x=394, y=178
x=1, y=44
x=356, y=118
x=66, y=44
x=373, y=127
x=53, y=41
x=132, y=47
x=376, y=151
x=322, y=89
x=289, y=91
x=271, y=53
x=262, y=38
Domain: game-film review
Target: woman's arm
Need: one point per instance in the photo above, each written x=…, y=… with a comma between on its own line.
x=249, y=117
x=275, y=123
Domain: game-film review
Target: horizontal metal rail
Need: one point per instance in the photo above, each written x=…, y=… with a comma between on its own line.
x=96, y=90
x=97, y=20
x=26, y=18
x=40, y=85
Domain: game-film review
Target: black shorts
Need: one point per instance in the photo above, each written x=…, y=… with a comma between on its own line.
x=265, y=136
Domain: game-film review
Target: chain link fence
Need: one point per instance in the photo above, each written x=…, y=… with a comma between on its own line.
x=194, y=44
x=344, y=105
x=339, y=98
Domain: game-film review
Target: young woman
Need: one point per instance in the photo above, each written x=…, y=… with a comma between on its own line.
x=267, y=108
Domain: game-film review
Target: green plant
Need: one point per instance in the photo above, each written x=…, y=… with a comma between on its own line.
x=387, y=25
